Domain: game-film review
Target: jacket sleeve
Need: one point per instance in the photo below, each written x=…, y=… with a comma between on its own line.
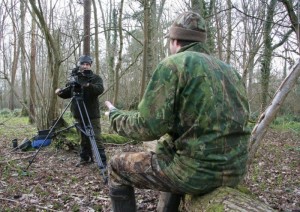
x=96, y=87
x=65, y=92
x=155, y=116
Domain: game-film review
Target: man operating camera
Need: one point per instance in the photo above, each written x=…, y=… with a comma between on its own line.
x=89, y=86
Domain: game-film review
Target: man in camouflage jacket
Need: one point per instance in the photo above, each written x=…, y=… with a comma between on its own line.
x=91, y=86
x=197, y=106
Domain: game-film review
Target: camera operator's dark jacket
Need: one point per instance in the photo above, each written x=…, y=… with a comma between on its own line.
x=90, y=94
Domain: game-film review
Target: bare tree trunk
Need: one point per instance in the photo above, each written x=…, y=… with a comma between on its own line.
x=267, y=55
x=229, y=32
x=14, y=70
x=54, y=61
x=118, y=66
x=22, y=59
x=110, y=33
x=87, y=27
x=210, y=30
x=32, y=77
x=97, y=62
x=145, y=47
x=113, y=45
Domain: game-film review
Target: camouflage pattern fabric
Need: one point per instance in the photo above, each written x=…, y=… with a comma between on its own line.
x=139, y=169
x=188, y=26
x=200, y=103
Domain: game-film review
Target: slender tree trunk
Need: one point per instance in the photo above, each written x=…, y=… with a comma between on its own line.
x=118, y=66
x=87, y=27
x=145, y=47
x=97, y=62
x=14, y=70
x=267, y=55
x=210, y=30
x=22, y=59
x=152, y=41
x=110, y=33
x=32, y=77
x=229, y=32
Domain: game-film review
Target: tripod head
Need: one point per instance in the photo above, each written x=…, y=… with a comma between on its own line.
x=73, y=82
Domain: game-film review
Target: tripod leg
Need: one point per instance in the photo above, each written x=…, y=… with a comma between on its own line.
x=88, y=131
x=86, y=155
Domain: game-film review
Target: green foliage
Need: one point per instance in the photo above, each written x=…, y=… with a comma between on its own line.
x=5, y=112
x=16, y=112
x=114, y=138
x=287, y=123
x=16, y=127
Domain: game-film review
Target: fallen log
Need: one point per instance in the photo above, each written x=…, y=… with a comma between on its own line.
x=223, y=199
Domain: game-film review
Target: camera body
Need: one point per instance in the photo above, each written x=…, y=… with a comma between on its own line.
x=73, y=82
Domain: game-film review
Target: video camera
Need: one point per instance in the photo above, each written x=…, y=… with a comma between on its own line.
x=73, y=82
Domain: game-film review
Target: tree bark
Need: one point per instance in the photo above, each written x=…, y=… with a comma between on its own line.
x=32, y=76
x=54, y=61
x=267, y=55
x=97, y=62
x=119, y=63
x=22, y=58
x=87, y=27
x=145, y=47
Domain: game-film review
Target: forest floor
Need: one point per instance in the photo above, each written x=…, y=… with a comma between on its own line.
x=53, y=183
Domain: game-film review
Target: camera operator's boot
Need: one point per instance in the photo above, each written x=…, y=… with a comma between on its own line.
x=122, y=199
x=168, y=202
x=84, y=161
x=103, y=158
x=86, y=157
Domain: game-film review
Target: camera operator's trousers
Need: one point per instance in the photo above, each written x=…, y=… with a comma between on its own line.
x=86, y=149
x=139, y=170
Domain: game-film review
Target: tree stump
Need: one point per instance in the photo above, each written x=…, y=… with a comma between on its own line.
x=223, y=199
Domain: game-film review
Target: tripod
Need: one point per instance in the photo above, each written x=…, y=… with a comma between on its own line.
x=86, y=130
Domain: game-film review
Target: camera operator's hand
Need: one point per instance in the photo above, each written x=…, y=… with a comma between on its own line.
x=57, y=91
x=86, y=85
x=110, y=107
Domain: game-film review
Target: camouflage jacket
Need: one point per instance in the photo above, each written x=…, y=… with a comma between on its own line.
x=90, y=95
x=200, y=103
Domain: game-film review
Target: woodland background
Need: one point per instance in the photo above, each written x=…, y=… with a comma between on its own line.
x=40, y=42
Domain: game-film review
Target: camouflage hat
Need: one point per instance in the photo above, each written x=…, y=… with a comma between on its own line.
x=188, y=26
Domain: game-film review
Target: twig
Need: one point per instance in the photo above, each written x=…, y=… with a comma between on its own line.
x=10, y=200
x=103, y=198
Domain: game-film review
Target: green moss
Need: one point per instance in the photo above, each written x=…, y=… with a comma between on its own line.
x=243, y=189
x=114, y=138
x=216, y=208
